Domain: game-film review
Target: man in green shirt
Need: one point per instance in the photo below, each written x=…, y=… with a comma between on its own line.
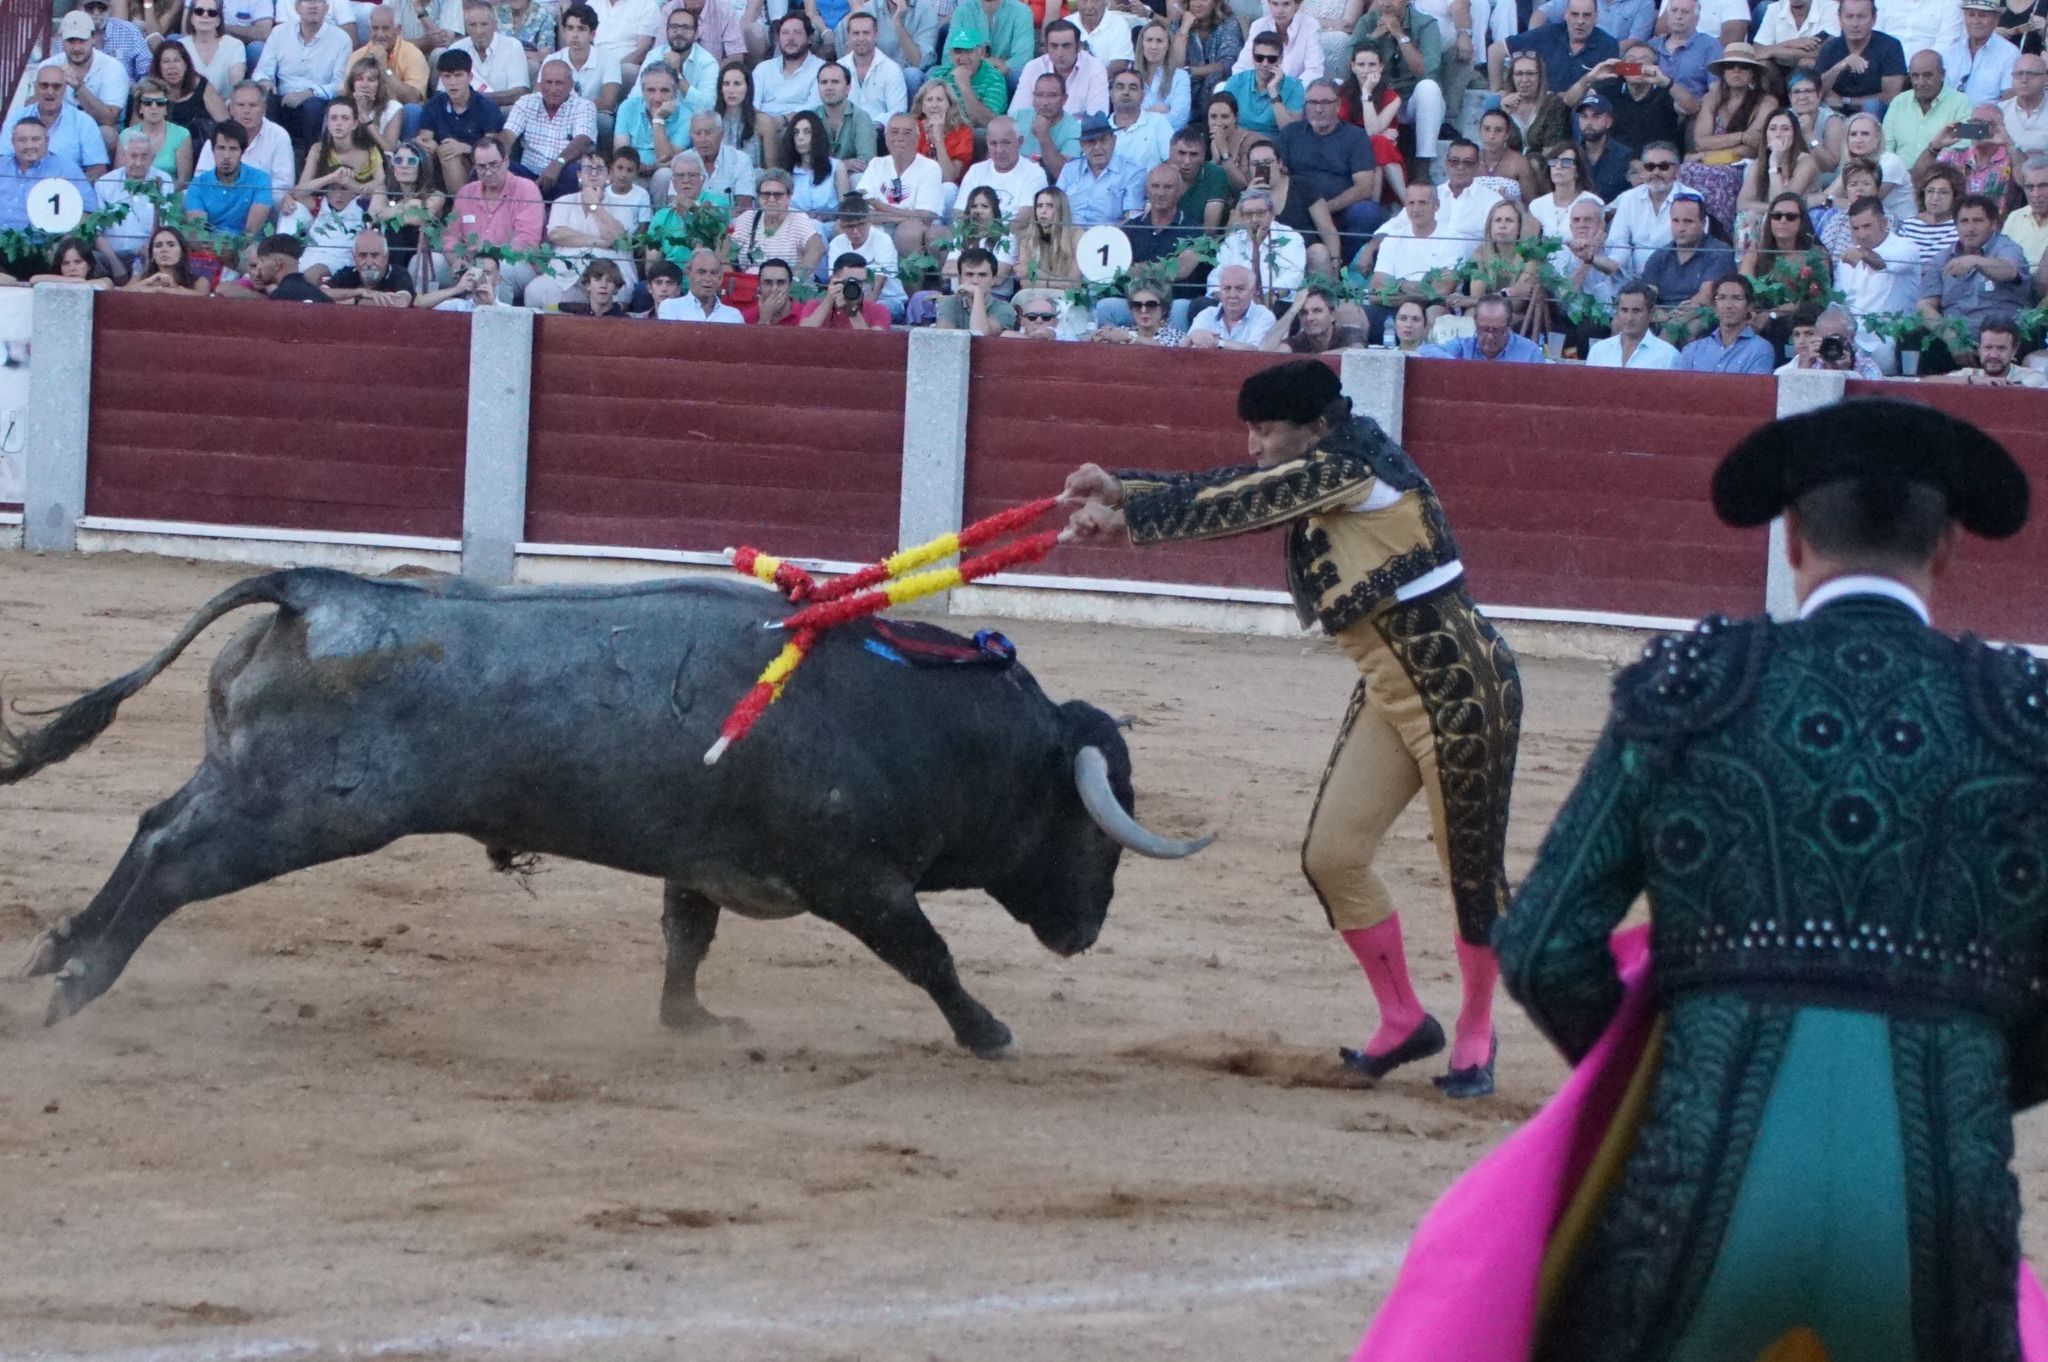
x=1930, y=106
x=1004, y=27
x=974, y=79
x=1205, y=192
x=847, y=126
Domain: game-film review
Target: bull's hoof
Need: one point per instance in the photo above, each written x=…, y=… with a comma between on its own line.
x=75, y=988
x=49, y=953
x=692, y=1017
x=991, y=1042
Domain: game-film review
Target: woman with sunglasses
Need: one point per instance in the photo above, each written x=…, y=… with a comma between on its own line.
x=1151, y=303
x=166, y=267
x=1789, y=255
x=1038, y=316
x=219, y=56
x=411, y=197
x=1552, y=210
x=378, y=111
x=195, y=105
x=170, y=145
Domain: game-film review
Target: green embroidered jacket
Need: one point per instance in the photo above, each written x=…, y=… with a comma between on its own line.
x=1848, y=811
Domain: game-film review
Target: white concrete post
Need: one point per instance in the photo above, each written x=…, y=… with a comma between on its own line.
x=1799, y=391
x=500, y=423
x=59, y=412
x=1376, y=383
x=934, y=489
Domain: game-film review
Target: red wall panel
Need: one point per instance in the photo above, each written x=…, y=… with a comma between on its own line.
x=1997, y=589
x=671, y=436
x=246, y=413
x=1586, y=489
x=1036, y=412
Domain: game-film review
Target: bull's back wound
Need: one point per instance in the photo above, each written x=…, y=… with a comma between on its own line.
x=893, y=581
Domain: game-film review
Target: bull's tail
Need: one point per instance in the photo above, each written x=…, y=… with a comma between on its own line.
x=84, y=719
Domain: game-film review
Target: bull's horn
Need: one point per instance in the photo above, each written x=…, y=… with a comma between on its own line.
x=1091, y=778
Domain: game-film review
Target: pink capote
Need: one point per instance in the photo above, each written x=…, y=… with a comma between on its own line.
x=1468, y=1287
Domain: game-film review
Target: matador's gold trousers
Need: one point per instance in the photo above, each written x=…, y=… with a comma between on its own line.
x=1438, y=708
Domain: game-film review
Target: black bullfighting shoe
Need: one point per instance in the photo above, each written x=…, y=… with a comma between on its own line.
x=1425, y=1040
x=1477, y=1081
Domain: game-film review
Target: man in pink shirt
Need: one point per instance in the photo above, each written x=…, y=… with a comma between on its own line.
x=499, y=209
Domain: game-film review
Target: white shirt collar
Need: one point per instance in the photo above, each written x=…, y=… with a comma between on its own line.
x=1864, y=584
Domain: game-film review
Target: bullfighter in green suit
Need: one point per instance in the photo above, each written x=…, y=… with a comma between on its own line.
x=1841, y=822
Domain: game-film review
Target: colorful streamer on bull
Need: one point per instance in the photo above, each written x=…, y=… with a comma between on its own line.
x=875, y=588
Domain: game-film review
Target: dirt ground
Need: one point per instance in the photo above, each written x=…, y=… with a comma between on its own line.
x=403, y=1107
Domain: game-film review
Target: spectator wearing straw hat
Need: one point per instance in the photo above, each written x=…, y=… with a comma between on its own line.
x=1979, y=61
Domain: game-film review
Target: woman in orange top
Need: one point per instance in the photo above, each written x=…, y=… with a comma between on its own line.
x=943, y=132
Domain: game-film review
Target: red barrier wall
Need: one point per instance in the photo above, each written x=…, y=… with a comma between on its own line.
x=674, y=436
x=246, y=413
x=1999, y=590
x=1586, y=489
x=1038, y=411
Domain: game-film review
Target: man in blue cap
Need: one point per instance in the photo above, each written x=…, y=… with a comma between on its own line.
x=1101, y=186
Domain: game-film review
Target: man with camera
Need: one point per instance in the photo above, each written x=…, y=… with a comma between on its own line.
x=844, y=305
x=1827, y=340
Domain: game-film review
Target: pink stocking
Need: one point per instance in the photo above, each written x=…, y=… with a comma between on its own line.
x=1380, y=953
x=1474, y=1041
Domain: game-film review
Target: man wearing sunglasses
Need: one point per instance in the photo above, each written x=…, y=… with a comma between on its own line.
x=1267, y=98
x=1641, y=221
x=70, y=131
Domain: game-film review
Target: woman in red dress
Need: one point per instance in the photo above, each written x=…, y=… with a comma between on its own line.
x=1365, y=99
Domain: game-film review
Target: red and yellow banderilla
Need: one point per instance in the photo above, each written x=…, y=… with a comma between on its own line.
x=895, y=581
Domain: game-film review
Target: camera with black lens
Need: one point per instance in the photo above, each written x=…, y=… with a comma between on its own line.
x=850, y=290
x=1834, y=350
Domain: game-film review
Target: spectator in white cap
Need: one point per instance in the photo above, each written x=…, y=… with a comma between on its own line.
x=1979, y=62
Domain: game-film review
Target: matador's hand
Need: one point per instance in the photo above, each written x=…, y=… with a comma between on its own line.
x=1095, y=522
x=1090, y=482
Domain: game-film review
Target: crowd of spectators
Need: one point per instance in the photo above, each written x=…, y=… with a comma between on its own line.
x=1701, y=184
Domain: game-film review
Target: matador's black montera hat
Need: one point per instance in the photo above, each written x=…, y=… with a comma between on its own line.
x=1300, y=391
x=1873, y=439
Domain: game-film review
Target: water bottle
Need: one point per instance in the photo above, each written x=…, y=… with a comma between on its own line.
x=1387, y=341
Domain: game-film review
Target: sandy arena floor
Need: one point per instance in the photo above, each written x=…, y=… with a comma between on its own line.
x=403, y=1108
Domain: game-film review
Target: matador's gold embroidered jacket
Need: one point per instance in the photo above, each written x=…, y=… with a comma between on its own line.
x=1342, y=564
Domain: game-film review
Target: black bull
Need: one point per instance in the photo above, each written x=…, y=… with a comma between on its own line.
x=572, y=722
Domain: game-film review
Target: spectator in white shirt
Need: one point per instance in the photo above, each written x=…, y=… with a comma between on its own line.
x=1921, y=25
x=2026, y=113
x=904, y=190
x=1087, y=80
x=1301, y=43
x=1106, y=36
x=1275, y=254
x=497, y=61
x=123, y=186
x=303, y=68
x=1878, y=273
x=787, y=82
x=879, y=87
x=1632, y=346
x=1789, y=40
x=1143, y=138
x=859, y=236
x=626, y=32
x=1403, y=253
x=1463, y=204
x=595, y=72
x=1980, y=62
x=1641, y=223
x=270, y=146
x=706, y=273
x=1237, y=322
x=99, y=83
x=1014, y=179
